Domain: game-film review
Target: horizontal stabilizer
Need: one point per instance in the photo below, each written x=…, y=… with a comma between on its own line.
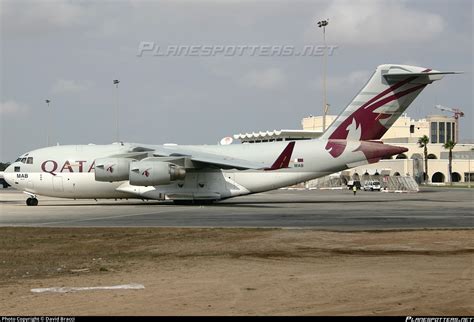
x=420, y=74
x=425, y=77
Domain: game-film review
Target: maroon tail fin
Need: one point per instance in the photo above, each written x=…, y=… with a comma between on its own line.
x=284, y=158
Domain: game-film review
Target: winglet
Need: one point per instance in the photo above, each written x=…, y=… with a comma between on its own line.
x=284, y=158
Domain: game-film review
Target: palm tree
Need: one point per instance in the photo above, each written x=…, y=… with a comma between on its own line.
x=423, y=143
x=450, y=146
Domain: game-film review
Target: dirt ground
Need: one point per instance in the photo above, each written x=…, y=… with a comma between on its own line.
x=188, y=271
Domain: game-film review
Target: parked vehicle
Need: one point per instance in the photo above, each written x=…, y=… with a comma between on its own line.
x=372, y=185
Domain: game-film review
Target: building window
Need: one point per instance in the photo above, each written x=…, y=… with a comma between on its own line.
x=434, y=132
x=442, y=132
x=455, y=139
x=412, y=129
x=468, y=176
x=448, y=132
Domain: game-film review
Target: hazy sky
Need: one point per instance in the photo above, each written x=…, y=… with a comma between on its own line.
x=70, y=51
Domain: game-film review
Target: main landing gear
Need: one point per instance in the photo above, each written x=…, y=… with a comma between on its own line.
x=31, y=201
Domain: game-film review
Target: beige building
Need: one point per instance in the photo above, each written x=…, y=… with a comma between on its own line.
x=438, y=128
x=404, y=132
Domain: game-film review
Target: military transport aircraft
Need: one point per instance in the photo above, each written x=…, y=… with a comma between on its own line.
x=207, y=173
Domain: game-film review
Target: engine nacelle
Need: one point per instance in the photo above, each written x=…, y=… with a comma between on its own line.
x=154, y=173
x=112, y=169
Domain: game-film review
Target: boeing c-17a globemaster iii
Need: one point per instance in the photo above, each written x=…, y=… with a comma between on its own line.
x=206, y=173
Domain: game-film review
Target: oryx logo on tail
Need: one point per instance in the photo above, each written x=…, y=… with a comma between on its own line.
x=396, y=90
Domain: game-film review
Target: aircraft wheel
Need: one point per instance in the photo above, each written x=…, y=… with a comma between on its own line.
x=31, y=202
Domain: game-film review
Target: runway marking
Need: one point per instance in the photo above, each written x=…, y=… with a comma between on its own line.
x=98, y=218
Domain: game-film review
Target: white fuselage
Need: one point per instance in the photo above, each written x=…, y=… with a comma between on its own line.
x=68, y=171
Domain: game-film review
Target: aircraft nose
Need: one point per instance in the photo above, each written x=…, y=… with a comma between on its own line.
x=8, y=174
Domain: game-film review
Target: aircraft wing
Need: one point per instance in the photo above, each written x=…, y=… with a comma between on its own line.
x=179, y=154
x=130, y=155
x=221, y=161
x=224, y=161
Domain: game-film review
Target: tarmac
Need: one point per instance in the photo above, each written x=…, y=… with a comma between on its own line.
x=431, y=208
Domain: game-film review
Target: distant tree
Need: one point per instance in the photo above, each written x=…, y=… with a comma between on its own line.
x=450, y=146
x=423, y=143
x=3, y=166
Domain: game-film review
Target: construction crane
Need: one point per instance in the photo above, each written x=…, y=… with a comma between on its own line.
x=457, y=114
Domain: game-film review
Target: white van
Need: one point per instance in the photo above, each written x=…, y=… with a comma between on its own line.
x=372, y=185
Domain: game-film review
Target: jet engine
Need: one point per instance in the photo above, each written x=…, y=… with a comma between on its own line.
x=112, y=169
x=154, y=173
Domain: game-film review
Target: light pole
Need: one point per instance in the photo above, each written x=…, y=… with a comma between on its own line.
x=469, y=183
x=469, y=169
x=323, y=24
x=116, y=83
x=48, y=134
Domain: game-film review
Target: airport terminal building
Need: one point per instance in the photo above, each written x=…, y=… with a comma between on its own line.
x=404, y=132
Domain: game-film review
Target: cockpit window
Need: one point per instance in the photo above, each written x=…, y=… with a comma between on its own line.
x=23, y=160
x=17, y=160
x=29, y=160
x=17, y=169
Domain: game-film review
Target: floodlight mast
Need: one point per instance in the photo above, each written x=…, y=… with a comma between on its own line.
x=48, y=135
x=117, y=133
x=323, y=24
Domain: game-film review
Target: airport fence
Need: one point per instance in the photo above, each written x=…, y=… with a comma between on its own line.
x=388, y=183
